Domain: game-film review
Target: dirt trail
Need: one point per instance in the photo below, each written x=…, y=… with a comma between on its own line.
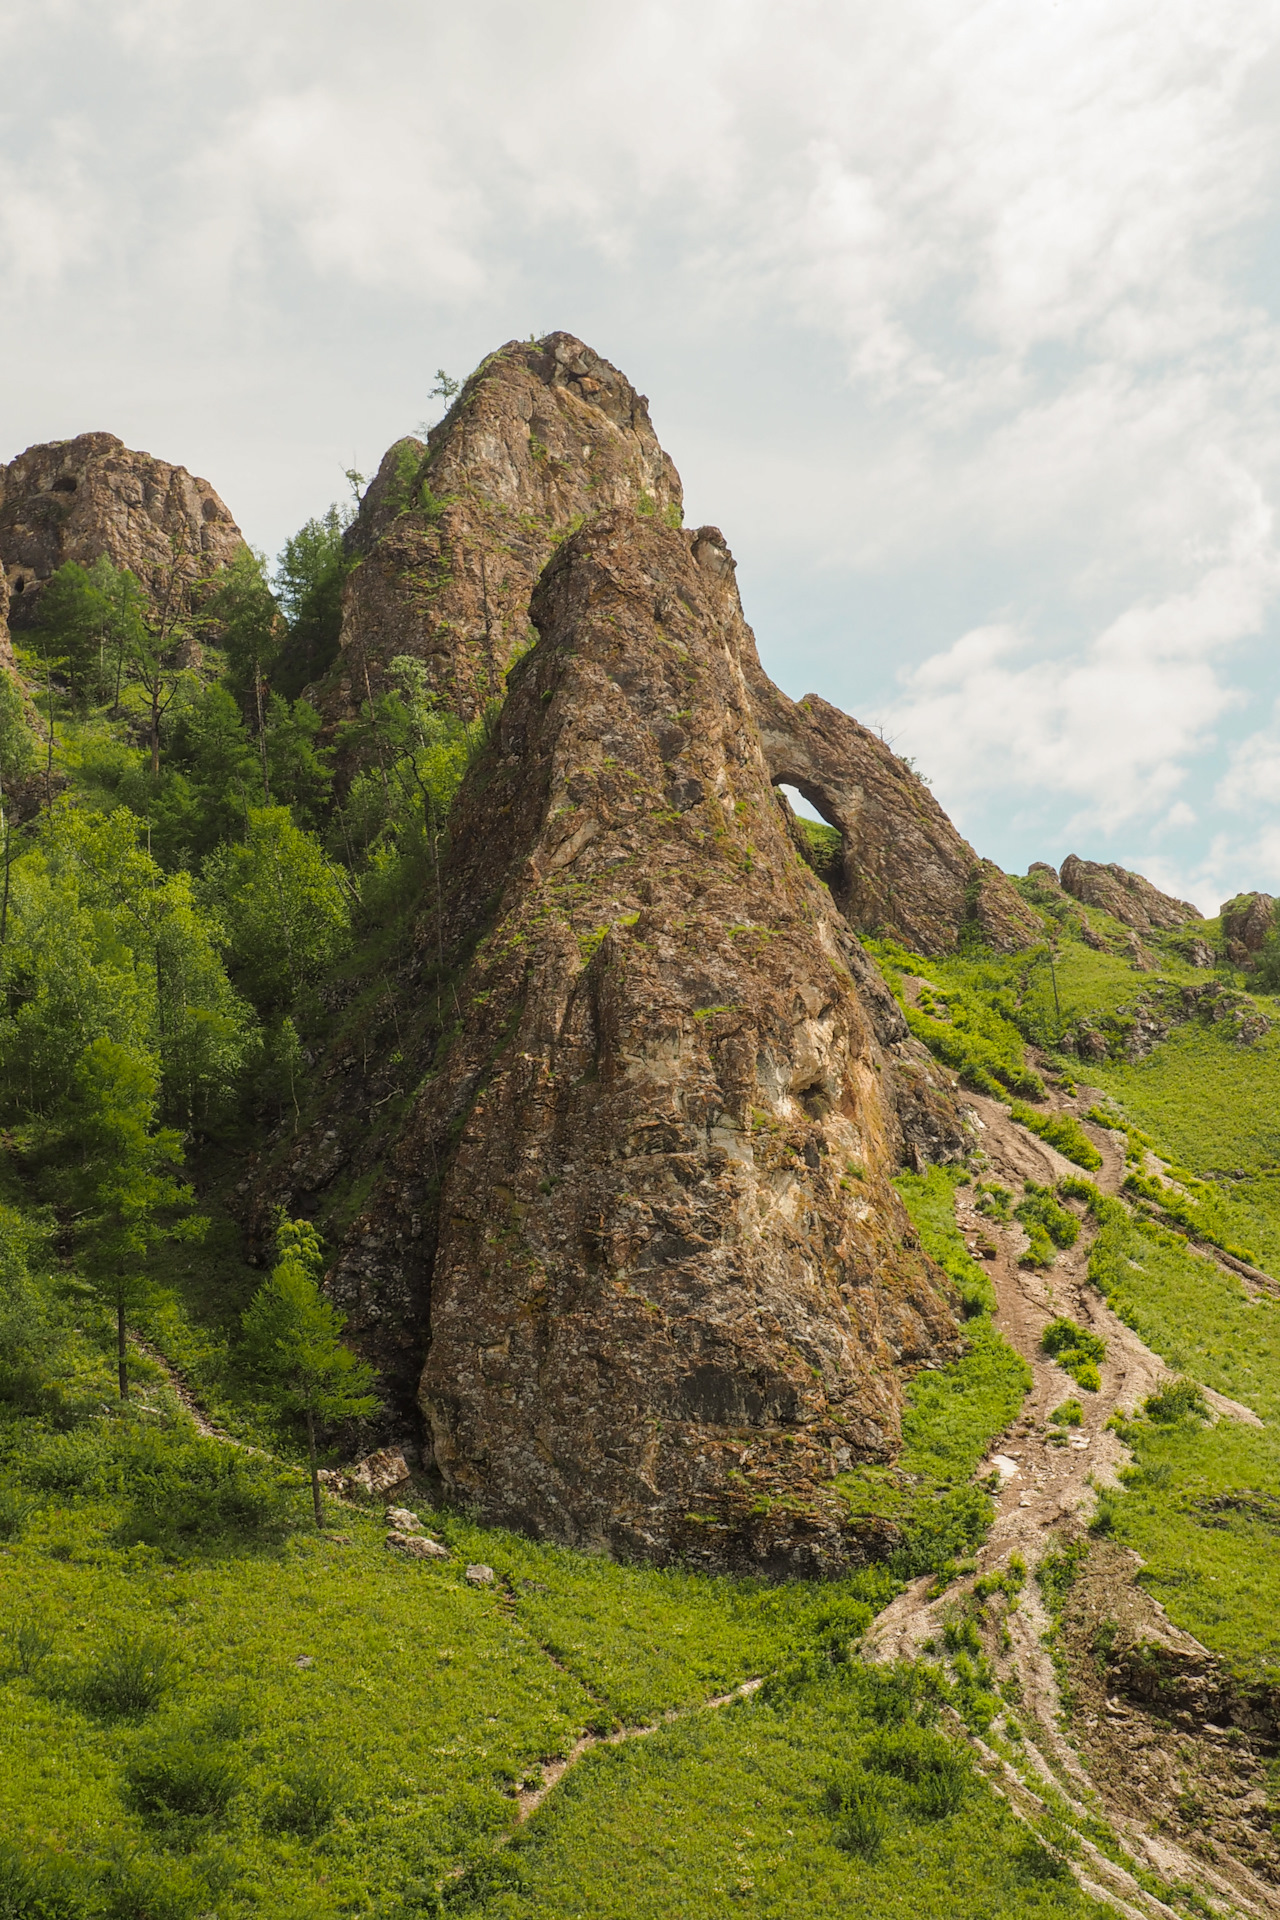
x=1046, y=1493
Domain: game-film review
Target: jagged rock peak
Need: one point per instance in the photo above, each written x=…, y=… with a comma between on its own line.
x=453, y=533
x=906, y=871
x=665, y=1285
x=1126, y=896
x=83, y=498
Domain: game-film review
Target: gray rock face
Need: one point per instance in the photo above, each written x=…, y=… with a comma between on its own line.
x=92, y=496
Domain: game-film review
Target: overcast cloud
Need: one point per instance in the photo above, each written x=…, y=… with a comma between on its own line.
x=959, y=319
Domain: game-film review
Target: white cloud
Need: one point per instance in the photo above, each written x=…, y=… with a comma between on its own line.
x=1111, y=728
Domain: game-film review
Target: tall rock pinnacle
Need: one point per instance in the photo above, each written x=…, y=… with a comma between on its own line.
x=452, y=535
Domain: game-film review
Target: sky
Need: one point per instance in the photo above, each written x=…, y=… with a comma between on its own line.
x=960, y=320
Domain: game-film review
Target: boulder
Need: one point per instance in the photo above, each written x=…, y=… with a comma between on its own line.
x=1126, y=896
x=1246, y=922
x=92, y=496
x=401, y=1518
x=480, y=1576
x=379, y=1472
x=415, y=1546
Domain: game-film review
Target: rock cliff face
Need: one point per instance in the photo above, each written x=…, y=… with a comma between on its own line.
x=1246, y=922
x=643, y=1202
x=906, y=871
x=452, y=535
x=79, y=499
x=1126, y=896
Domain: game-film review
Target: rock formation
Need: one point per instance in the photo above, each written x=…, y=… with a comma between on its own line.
x=1126, y=896
x=1246, y=922
x=906, y=871
x=673, y=1290
x=83, y=498
x=452, y=535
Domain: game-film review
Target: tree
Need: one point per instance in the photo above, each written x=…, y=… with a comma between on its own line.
x=17, y=757
x=123, y=1183
x=93, y=619
x=283, y=905
x=162, y=639
x=310, y=573
x=245, y=609
x=291, y=1338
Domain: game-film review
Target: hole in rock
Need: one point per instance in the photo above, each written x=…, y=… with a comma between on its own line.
x=65, y=483
x=20, y=585
x=825, y=841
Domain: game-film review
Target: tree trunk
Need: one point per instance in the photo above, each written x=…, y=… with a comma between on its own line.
x=315, y=1474
x=122, y=1360
x=155, y=728
x=262, y=734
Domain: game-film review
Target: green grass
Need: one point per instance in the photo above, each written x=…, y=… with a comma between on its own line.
x=952, y=1414
x=1204, y=1511
x=741, y=1812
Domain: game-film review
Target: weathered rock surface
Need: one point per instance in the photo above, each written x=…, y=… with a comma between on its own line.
x=83, y=498
x=415, y=1546
x=1126, y=896
x=906, y=871
x=1246, y=922
x=668, y=1287
x=453, y=534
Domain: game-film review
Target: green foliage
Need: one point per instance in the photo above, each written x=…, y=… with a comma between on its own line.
x=291, y=1339
x=243, y=608
x=976, y=1045
x=1062, y=1133
x=93, y=625
x=930, y=1200
x=1182, y=1400
x=183, y=1774
x=1179, y=1208
x=283, y=905
x=825, y=849
x=310, y=574
x=128, y=1676
x=1069, y=1414
x=1049, y=1226
x=104, y=946
x=1076, y=1350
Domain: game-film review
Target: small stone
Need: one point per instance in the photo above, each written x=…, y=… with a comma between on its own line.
x=416, y=1546
x=304, y=1660
x=480, y=1576
x=401, y=1518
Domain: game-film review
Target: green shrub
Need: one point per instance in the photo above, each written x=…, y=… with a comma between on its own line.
x=1181, y=1400
x=1048, y=1226
x=1061, y=1132
x=864, y=1822
x=1186, y=1213
x=31, y=1643
x=129, y=1676
x=307, y=1798
x=1076, y=1350
x=936, y=1772
x=16, y=1508
x=1069, y=1414
x=42, y=1886
x=183, y=1776
x=185, y=1491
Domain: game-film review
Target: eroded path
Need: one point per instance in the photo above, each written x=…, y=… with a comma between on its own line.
x=1046, y=1494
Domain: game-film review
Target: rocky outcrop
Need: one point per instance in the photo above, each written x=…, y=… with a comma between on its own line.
x=906, y=872
x=453, y=534
x=1126, y=896
x=92, y=496
x=642, y=1204
x=1246, y=922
